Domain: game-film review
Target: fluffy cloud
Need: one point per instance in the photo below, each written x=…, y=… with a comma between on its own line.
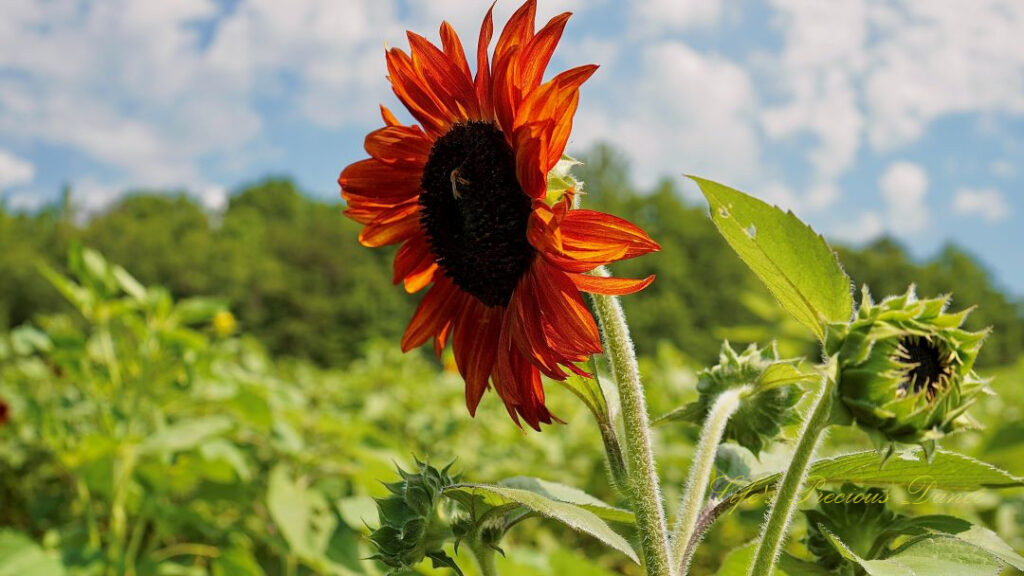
x=852, y=72
x=15, y=171
x=938, y=58
x=904, y=186
x=670, y=127
x=123, y=82
x=988, y=203
x=867, y=226
x=656, y=15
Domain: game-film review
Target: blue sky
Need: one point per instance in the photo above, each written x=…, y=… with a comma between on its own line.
x=864, y=117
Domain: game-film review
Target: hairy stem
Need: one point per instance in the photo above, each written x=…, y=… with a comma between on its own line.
x=644, y=492
x=484, y=557
x=785, y=503
x=700, y=475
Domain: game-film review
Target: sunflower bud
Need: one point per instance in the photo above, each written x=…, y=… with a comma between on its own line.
x=906, y=367
x=860, y=519
x=763, y=412
x=413, y=522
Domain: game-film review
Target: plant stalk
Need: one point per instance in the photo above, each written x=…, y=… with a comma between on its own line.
x=644, y=491
x=484, y=557
x=785, y=503
x=700, y=475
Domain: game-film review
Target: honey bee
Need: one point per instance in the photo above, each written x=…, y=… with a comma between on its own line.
x=457, y=180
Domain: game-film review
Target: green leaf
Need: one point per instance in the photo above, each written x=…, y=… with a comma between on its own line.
x=783, y=374
x=21, y=556
x=947, y=471
x=965, y=531
x=236, y=561
x=928, y=556
x=797, y=265
x=570, y=495
x=574, y=516
x=198, y=310
x=303, y=515
x=186, y=434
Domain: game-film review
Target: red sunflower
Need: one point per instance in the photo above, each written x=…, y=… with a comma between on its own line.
x=465, y=195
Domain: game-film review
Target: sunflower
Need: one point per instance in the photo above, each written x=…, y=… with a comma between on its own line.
x=465, y=193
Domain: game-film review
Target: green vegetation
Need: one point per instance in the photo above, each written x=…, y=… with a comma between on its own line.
x=292, y=272
x=151, y=429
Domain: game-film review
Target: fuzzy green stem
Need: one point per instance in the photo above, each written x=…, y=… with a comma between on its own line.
x=484, y=557
x=700, y=475
x=644, y=492
x=785, y=503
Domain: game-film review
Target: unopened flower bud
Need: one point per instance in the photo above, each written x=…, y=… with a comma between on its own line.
x=413, y=525
x=906, y=367
x=762, y=412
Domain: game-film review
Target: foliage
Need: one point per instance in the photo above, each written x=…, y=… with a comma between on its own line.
x=283, y=260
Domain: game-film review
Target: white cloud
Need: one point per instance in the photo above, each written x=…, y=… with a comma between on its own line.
x=988, y=203
x=904, y=186
x=123, y=82
x=816, y=73
x=15, y=171
x=24, y=201
x=669, y=126
x=940, y=58
x=656, y=15
x=780, y=195
x=867, y=226
x=1002, y=168
x=852, y=72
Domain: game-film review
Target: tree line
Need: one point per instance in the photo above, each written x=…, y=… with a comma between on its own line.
x=293, y=273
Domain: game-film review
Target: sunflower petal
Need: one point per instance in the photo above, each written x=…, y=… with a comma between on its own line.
x=437, y=309
x=414, y=265
x=475, y=346
x=610, y=286
x=404, y=146
x=411, y=89
x=482, y=81
x=534, y=57
x=451, y=88
x=453, y=48
x=393, y=225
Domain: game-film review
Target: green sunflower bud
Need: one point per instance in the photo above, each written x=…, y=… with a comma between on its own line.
x=762, y=412
x=906, y=368
x=859, y=518
x=414, y=521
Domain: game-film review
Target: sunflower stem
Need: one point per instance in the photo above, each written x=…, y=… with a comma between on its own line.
x=644, y=492
x=774, y=531
x=484, y=556
x=700, y=476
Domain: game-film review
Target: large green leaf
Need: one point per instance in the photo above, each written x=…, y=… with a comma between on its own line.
x=797, y=265
x=186, y=434
x=947, y=471
x=21, y=556
x=303, y=515
x=928, y=556
x=965, y=531
x=572, y=515
x=570, y=495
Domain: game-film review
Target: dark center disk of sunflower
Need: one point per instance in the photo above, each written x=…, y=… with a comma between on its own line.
x=474, y=211
x=930, y=372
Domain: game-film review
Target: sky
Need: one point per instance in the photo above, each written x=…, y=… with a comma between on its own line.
x=864, y=117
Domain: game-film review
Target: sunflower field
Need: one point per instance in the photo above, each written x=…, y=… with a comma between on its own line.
x=148, y=435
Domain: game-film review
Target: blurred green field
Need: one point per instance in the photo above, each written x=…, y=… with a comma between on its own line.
x=148, y=429
x=147, y=436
